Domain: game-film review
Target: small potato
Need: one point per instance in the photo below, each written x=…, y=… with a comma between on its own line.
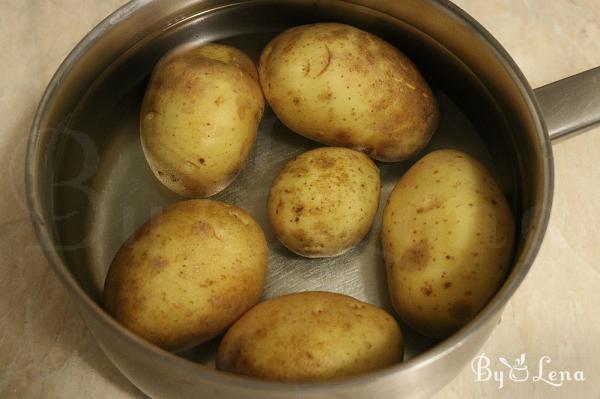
x=311, y=336
x=188, y=273
x=448, y=237
x=324, y=201
x=342, y=86
x=199, y=118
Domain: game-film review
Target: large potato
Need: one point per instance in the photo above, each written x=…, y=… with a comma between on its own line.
x=188, y=273
x=342, y=86
x=448, y=236
x=324, y=201
x=311, y=336
x=199, y=118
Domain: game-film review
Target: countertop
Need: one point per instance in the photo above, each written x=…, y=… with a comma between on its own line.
x=47, y=352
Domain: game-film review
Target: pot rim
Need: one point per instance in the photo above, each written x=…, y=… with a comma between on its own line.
x=440, y=350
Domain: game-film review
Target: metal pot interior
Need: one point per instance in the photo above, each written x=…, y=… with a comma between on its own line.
x=92, y=187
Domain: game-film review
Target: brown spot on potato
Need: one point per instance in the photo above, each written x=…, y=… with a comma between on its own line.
x=300, y=235
x=296, y=101
x=461, y=311
x=243, y=105
x=325, y=162
x=260, y=333
x=387, y=148
x=383, y=102
x=343, y=137
x=289, y=46
x=206, y=283
x=306, y=68
x=159, y=262
x=203, y=228
x=415, y=257
x=447, y=284
x=325, y=95
x=427, y=289
x=219, y=100
x=334, y=32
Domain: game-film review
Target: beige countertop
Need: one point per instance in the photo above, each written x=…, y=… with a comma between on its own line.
x=47, y=352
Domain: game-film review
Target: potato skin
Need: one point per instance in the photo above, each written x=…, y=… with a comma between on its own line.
x=342, y=86
x=324, y=201
x=311, y=336
x=199, y=118
x=448, y=236
x=188, y=273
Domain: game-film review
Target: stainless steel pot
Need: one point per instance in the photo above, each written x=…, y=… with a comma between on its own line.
x=88, y=186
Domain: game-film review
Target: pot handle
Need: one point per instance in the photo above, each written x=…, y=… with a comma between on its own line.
x=571, y=105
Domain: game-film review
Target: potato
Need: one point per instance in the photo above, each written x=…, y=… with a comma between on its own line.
x=324, y=201
x=448, y=237
x=199, y=118
x=188, y=273
x=310, y=336
x=342, y=86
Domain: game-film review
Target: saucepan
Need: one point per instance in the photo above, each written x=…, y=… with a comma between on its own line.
x=89, y=186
